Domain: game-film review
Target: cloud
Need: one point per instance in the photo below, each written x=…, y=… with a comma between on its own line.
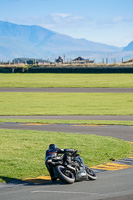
x=111, y=22
x=60, y=15
x=117, y=19
x=75, y=18
x=65, y=16
x=65, y=20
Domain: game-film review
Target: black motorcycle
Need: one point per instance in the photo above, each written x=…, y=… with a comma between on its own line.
x=69, y=167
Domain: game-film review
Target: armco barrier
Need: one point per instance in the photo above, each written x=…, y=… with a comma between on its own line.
x=66, y=70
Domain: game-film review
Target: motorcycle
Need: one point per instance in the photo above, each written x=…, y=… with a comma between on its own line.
x=69, y=167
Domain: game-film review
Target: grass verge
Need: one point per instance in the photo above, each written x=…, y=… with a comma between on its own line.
x=66, y=103
x=23, y=151
x=67, y=80
x=84, y=122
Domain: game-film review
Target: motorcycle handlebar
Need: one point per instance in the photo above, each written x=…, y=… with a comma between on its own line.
x=71, y=150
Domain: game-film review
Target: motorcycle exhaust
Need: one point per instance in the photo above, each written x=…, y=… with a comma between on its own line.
x=72, y=168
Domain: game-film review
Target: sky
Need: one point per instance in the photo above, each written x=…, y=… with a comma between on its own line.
x=105, y=21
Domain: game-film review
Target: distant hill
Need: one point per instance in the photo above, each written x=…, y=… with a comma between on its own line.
x=35, y=41
x=129, y=47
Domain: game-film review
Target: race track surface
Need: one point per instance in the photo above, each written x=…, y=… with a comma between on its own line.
x=117, y=185
x=89, y=90
x=121, y=132
x=73, y=117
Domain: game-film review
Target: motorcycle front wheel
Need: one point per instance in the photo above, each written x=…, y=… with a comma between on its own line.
x=91, y=174
x=64, y=174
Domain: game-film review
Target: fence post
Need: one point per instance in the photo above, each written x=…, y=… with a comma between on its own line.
x=22, y=69
x=12, y=69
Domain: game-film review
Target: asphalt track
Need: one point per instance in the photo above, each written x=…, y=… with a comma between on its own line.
x=110, y=185
x=73, y=117
x=116, y=185
x=80, y=90
x=121, y=132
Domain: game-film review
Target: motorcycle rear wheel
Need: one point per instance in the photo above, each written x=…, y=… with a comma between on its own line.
x=64, y=174
x=91, y=174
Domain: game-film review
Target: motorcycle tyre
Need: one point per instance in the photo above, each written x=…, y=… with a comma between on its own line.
x=90, y=176
x=62, y=176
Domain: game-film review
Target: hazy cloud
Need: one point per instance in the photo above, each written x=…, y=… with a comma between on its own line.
x=60, y=15
x=111, y=22
x=117, y=19
x=66, y=17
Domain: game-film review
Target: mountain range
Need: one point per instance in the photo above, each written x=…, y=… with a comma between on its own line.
x=38, y=42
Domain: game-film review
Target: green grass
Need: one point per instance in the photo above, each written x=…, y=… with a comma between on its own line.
x=66, y=103
x=80, y=122
x=67, y=80
x=23, y=151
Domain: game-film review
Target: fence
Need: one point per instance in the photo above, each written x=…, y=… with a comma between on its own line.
x=70, y=69
x=97, y=60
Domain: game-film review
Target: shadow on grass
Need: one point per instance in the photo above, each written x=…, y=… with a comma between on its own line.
x=38, y=181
